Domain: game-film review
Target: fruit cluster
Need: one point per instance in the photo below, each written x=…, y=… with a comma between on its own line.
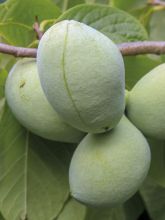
x=76, y=86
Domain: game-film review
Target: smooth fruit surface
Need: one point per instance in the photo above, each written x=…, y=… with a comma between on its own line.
x=107, y=169
x=82, y=75
x=146, y=103
x=30, y=106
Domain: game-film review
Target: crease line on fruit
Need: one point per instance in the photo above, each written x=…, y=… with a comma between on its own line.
x=65, y=79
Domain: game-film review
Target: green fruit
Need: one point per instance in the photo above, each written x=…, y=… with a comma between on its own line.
x=146, y=103
x=107, y=169
x=82, y=74
x=30, y=106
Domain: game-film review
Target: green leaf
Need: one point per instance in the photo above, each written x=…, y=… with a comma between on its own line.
x=138, y=66
x=65, y=4
x=114, y=23
x=3, y=76
x=6, y=61
x=134, y=207
x=2, y=107
x=17, y=18
x=25, y=11
x=156, y=26
x=128, y=4
x=33, y=173
x=1, y=217
x=73, y=210
x=154, y=198
x=130, y=210
x=157, y=169
x=98, y=1
x=143, y=14
x=16, y=33
x=138, y=8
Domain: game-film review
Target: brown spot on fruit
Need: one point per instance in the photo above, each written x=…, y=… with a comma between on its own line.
x=106, y=128
x=22, y=83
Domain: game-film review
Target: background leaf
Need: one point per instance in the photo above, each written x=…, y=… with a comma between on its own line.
x=143, y=14
x=17, y=18
x=130, y=210
x=1, y=217
x=156, y=26
x=33, y=173
x=6, y=61
x=114, y=23
x=98, y=1
x=3, y=76
x=154, y=198
x=65, y=4
x=138, y=66
x=73, y=210
x=157, y=169
x=2, y=107
x=128, y=4
x=138, y=8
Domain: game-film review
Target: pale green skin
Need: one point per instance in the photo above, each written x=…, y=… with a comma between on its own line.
x=30, y=106
x=146, y=103
x=107, y=169
x=82, y=75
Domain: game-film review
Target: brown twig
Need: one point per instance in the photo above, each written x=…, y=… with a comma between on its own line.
x=17, y=51
x=145, y=47
x=156, y=2
x=36, y=28
x=127, y=49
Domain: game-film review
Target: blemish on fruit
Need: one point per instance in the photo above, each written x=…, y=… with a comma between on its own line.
x=106, y=128
x=22, y=84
